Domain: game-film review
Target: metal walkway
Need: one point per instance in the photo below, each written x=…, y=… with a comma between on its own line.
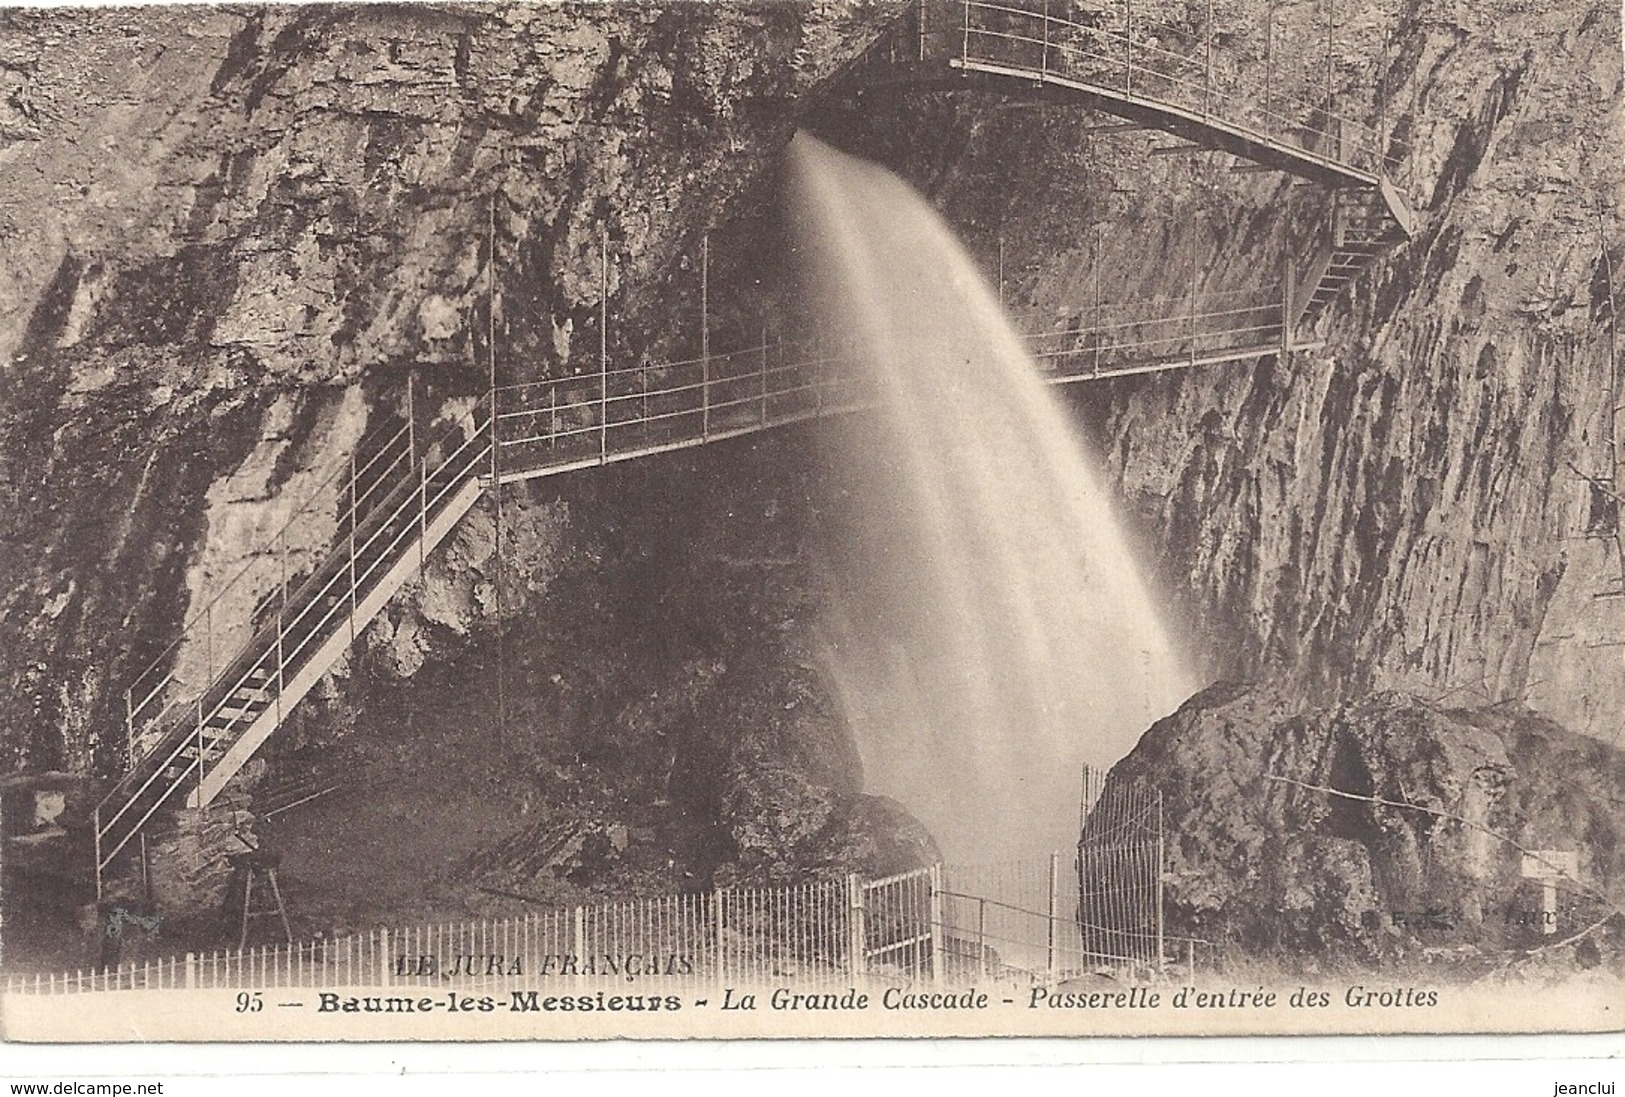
x=189, y=732
x=1020, y=48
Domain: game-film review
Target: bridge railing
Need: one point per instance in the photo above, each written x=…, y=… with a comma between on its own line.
x=1134, y=61
x=1162, y=332
x=374, y=507
x=615, y=414
x=595, y=418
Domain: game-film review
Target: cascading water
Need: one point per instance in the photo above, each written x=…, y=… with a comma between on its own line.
x=990, y=631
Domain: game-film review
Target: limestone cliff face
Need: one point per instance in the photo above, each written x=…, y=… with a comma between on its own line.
x=229, y=236
x=1400, y=508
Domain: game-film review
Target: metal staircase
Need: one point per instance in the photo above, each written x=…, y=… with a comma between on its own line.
x=397, y=505
x=1361, y=229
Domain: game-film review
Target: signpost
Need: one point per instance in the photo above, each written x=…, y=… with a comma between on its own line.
x=1549, y=866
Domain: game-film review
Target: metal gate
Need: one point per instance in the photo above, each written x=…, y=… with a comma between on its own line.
x=894, y=923
x=1120, y=858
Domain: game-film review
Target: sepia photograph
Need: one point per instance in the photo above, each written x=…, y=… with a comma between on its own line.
x=811, y=519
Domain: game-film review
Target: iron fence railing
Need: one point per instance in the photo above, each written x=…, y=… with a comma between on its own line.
x=1016, y=924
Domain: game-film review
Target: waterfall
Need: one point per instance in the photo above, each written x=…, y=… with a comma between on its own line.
x=989, y=628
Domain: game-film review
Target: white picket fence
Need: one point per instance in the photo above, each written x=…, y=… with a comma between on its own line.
x=1014, y=923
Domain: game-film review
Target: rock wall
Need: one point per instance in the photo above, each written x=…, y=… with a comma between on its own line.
x=233, y=238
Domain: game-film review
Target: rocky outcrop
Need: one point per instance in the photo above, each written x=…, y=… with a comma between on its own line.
x=1381, y=830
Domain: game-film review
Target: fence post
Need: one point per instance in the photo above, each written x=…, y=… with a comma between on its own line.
x=96, y=828
x=353, y=517
x=1380, y=138
x=191, y=970
x=146, y=867
x=603, y=348
x=981, y=935
x=937, y=933
x=200, y=751
x=1269, y=64
x=1052, y=958
x=1207, y=72
x=716, y=935
x=421, y=466
x=1331, y=78
x=1288, y=278
x=1100, y=319
x=383, y=957
x=857, y=934
x=1194, y=280
x=1160, y=954
x=705, y=336
x=1128, y=46
x=281, y=618
x=1043, y=59
x=578, y=932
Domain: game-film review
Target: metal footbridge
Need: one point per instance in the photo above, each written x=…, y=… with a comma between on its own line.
x=1128, y=67
x=264, y=639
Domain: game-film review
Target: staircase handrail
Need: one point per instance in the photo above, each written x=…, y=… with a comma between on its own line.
x=400, y=494
x=181, y=736
x=202, y=615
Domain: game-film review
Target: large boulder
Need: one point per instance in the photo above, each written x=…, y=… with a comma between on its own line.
x=1382, y=829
